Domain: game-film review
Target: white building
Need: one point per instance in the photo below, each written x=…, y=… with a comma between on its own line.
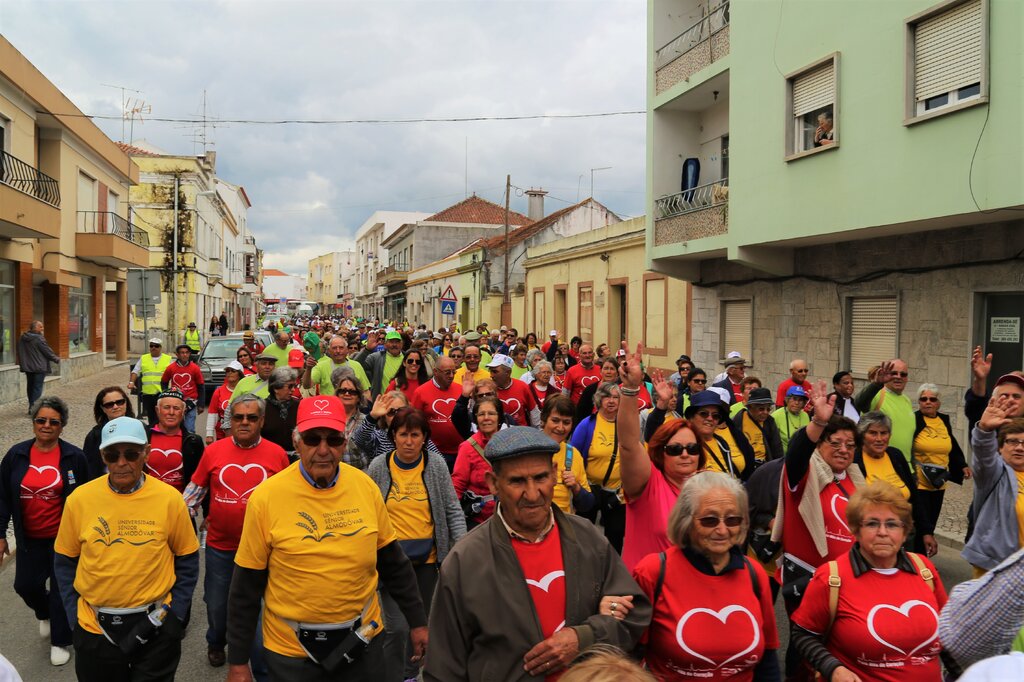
x=280, y=286
x=371, y=258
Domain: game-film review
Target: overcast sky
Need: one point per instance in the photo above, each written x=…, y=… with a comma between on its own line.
x=312, y=186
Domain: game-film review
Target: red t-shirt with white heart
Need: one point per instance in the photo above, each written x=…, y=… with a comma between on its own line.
x=544, y=571
x=887, y=622
x=706, y=627
x=165, y=460
x=219, y=404
x=517, y=401
x=42, y=494
x=185, y=379
x=578, y=378
x=796, y=539
x=231, y=474
x=438, y=406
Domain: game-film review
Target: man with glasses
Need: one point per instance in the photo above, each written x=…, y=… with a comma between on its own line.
x=581, y=375
x=761, y=432
x=472, y=359
x=437, y=399
x=381, y=366
x=150, y=368
x=318, y=373
x=174, y=450
x=185, y=377
x=515, y=396
x=127, y=562
x=257, y=384
x=797, y=377
x=229, y=472
x=316, y=540
x=885, y=394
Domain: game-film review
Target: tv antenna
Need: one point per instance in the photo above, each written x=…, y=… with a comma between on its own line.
x=135, y=110
x=125, y=114
x=202, y=129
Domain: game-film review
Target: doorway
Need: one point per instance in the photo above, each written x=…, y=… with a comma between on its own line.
x=998, y=331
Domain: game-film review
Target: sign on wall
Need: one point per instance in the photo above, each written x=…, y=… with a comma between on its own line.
x=1004, y=330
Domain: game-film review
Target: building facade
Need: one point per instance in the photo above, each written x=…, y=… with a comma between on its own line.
x=847, y=191
x=326, y=278
x=66, y=232
x=372, y=258
x=279, y=286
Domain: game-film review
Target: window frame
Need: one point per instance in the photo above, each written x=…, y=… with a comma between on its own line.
x=911, y=113
x=789, y=152
x=847, y=329
x=723, y=349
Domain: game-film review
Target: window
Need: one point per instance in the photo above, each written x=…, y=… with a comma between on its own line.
x=872, y=322
x=737, y=328
x=7, y=322
x=813, y=111
x=947, y=58
x=586, y=311
x=80, y=316
x=655, y=297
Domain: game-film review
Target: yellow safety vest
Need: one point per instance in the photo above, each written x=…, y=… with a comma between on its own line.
x=152, y=371
x=192, y=340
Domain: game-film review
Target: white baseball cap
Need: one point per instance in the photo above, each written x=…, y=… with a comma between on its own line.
x=500, y=360
x=553, y=332
x=156, y=341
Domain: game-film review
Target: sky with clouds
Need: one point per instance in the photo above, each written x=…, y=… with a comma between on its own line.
x=312, y=186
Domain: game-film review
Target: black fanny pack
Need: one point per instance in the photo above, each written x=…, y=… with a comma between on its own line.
x=607, y=500
x=795, y=579
x=935, y=475
x=418, y=551
x=764, y=548
x=332, y=646
x=128, y=629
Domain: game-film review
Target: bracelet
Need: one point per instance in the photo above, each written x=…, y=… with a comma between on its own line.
x=631, y=392
x=818, y=423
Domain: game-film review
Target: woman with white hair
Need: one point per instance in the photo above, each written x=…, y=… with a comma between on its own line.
x=713, y=614
x=540, y=382
x=282, y=409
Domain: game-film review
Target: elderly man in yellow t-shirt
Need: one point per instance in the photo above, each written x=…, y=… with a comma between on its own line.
x=127, y=562
x=314, y=538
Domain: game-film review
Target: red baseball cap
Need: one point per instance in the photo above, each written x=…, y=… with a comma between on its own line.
x=296, y=358
x=1011, y=378
x=322, y=411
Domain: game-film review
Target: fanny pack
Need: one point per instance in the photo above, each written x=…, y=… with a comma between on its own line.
x=332, y=645
x=761, y=543
x=418, y=551
x=795, y=578
x=935, y=475
x=130, y=628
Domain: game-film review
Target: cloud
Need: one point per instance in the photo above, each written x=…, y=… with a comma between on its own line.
x=312, y=185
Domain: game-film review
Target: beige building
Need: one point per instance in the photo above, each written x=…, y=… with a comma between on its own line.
x=594, y=285
x=66, y=237
x=325, y=282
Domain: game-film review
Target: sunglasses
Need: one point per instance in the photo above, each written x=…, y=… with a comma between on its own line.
x=335, y=440
x=393, y=411
x=43, y=421
x=413, y=361
x=129, y=456
x=347, y=391
x=676, y=449
x=154, y=345
x=698, y=381
x=245, y=418
x=927, y=399
x=903, y=375
x=708, y=414
x=713, y=521
x=114, y=403
x=486, y=395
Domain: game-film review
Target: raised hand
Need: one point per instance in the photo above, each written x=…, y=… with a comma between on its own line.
x=981, y=365
x=468, y=384
x=663, y=390
x=998, y=412
x=631, y=370
x=884, y=373
x=380, y=406
x=822, y=403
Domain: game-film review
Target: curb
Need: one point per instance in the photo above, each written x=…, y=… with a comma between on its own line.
x=949, y=541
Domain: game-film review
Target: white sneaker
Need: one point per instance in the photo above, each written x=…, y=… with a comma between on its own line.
x=59, y=655
x=44, y=628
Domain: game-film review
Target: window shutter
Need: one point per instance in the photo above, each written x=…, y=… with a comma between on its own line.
x=814, y=89
x=947, y=51
x=737, y=326
x=872, y=332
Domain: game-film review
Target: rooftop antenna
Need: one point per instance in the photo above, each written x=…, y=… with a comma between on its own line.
x=207, y=122
x=124, y=101
x=135, y=109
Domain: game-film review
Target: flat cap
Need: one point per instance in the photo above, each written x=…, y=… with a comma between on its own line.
x=516, y=441
x=266, y=356
x=471, y=336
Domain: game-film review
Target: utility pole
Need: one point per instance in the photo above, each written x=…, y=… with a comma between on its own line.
x=506, y=302
x=174, y=266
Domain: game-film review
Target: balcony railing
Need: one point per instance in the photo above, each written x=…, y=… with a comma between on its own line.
x=693, y=36
x=21, y=176
x=105, y=222
x=701, y=197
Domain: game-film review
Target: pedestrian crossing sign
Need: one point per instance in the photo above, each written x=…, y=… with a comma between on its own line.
x=447, y=307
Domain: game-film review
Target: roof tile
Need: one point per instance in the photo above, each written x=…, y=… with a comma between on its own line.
x=475, y=210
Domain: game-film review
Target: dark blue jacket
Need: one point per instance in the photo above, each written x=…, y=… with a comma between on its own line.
x=74, y=471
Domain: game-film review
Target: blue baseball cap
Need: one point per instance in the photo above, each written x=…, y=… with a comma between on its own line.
x=796, y=392
x=123, y=430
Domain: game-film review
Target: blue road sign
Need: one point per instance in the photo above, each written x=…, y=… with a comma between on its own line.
x=447, y=307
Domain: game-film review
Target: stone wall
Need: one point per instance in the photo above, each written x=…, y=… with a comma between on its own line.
x=801, y=317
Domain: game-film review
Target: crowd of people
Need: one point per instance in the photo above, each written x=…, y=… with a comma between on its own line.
x=377, y=502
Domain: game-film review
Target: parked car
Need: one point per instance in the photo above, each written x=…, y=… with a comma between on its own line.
x=218, y=352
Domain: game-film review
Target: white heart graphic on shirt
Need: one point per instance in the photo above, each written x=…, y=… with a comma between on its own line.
x=839, y=517
x=721, y=616
x=445, y=402
x=587, y=381
x=40, y=470
x=224, y=405
x=166, y=455
x=508, y=405
x=545, y=582
x=904, y=610
x=242, y=478
x=182, y=380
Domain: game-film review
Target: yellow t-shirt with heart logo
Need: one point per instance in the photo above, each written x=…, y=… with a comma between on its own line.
x=408, y=504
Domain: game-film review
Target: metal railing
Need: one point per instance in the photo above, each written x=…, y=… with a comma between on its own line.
x=704, y=196
x=702, y=30
x=31, y=181
x=105, y=222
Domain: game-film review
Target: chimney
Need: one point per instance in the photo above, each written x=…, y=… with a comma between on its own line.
x=536, y=208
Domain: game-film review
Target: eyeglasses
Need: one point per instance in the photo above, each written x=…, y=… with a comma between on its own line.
x=708, y=414
x=486, y=395
x=801, y=371
x=111, y=457
x=413, y=361
x=114, y=403
x=245, y=418
x=313, y=440
x=698, y=381
x=43, y=421
x=890, y=525
x=347, y=391
x=836, y=445
x=1014, y=442
x=676, y=449
x=901, y=374
x=713, y=521
x=927, y=399
x=393, y=411
x=154, y=345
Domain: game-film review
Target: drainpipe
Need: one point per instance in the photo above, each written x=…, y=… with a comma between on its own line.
x=174, y=286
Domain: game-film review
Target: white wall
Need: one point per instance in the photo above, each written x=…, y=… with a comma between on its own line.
x=288, y=286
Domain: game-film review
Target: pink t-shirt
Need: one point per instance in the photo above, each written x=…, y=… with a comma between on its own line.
x=647, y=519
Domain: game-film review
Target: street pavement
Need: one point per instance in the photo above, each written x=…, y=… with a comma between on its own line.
x=19, y=637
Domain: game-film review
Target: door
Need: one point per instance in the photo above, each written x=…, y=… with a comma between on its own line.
x=999, y=332
x=111, y=320
x=617, y=318
x=586, y=313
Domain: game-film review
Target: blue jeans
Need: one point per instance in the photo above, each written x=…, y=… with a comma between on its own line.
x=34, y=384
x=220, y=565
x=190, y=420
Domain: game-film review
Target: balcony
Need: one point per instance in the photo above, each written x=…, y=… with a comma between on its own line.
x=392, y=274
x=29, y=201
x=699, y=46
x=109, y=239
x=214, y=270
x=248, y=245
x=693, y=214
